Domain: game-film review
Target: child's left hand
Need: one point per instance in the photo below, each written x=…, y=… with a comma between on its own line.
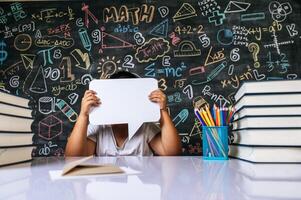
x=159, y=97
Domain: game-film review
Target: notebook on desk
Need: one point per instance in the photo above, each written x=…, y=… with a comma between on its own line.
x=270, y=86
x=14, y=100
x=267, y=110
x=274, y=99
x=82, y=169
x=12, y=123
x=15, y=139
x=14, y=155
x=267, y=137
x=264, y=154
x=283, y=121
x=10, y=109
x=79, y=167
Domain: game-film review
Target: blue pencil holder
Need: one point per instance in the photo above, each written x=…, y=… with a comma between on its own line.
x=215, y=142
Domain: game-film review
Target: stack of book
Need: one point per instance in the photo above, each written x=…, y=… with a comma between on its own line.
x=15, y=129
x=267, y=122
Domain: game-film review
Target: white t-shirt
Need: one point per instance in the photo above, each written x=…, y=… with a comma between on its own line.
x=138, y=145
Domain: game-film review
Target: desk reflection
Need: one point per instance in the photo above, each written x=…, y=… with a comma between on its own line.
x=154, y=181
x=164, y=178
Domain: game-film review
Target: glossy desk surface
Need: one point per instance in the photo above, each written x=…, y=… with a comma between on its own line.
x=159, y=178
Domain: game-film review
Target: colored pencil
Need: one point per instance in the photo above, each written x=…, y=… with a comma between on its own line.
x=214, y=118
x=196, y=112
x=218, y=117
x=205, y=118
x=210, y=116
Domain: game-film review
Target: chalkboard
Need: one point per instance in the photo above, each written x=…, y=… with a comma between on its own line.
x=200, y=52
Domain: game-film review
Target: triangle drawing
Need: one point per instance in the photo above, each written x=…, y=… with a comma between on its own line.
x=235, y=6
x=161, y=29
x=38, y=34
x=38, y=84
x=186, y=11
x=109, y=41
x=28, y=60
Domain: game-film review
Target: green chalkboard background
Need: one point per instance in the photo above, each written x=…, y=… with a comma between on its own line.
x=200, y=52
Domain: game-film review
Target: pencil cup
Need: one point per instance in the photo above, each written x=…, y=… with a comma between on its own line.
x=215, y=142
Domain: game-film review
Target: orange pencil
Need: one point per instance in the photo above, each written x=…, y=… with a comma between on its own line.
x=218, y=117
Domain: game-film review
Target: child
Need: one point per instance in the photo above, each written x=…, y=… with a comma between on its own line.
x=112, y=140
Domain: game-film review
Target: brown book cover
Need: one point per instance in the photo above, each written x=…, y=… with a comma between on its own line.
x=79, y=167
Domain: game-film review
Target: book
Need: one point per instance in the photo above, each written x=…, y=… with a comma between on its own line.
x=15, y=110
x=267, y=137
x=14, y=155
x=268, y=100
x=267, y=111
x=284, y=122
x=271, y=86
x=259, y=154
x=10, y=139
x=11, y=123
x=78, y=167
x=13, y=99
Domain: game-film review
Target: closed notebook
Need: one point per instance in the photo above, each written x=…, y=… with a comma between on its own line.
x=284, y=122
x=271, y=86
x=13, y=99
x=267, y=111
x=268, y=100
x=267, y=137
x=266, y=154
x=13, y=155
x=11, y=123
x=10, y=139
x=15, y=110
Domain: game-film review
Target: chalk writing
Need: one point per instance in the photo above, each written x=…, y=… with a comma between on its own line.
x=49, y=15
x=54, y=41
x=145, y=13
x=11, y=31
x=151, y=50
x=185, y=11
x=186, y=49
x=199, y=51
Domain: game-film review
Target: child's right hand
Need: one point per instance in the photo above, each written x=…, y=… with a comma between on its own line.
x=90, y=99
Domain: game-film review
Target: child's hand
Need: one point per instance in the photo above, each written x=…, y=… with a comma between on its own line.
x=90, y=99
x=159, y=97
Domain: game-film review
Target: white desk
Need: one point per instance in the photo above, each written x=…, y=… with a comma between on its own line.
x=173, y=178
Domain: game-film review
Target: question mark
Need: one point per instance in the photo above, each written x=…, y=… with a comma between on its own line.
x=254, y=49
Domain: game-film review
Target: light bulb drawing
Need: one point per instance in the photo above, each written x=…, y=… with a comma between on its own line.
x=107, y=67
